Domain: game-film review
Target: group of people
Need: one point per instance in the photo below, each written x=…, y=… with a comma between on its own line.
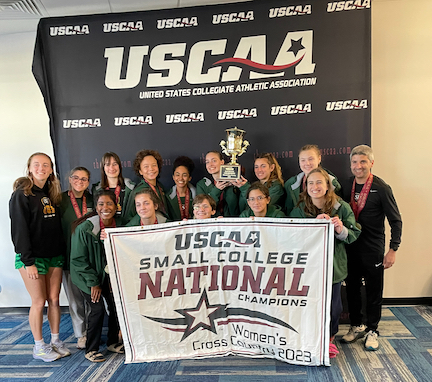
x=58, y=237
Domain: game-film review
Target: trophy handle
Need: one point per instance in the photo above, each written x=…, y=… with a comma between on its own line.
x=224, y=149
x=245, y=145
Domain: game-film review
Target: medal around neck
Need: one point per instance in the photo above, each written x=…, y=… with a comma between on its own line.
x=233, y=147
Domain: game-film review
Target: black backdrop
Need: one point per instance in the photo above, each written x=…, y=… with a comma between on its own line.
x=174, y=80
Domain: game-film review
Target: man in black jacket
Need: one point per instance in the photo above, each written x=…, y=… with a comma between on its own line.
x=372, y=201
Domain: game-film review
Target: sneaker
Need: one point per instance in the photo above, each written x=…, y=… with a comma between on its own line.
x=46, y=353
x=354, y=333
x=81, y=343
x=371, y=341
x=60, y=348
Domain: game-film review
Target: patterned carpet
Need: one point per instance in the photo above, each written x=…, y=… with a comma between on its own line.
x=405, y=354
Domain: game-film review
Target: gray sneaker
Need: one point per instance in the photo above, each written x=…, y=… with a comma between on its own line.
x=60, y=348
x=46, y=353
x=371, y=341
x=354, y=333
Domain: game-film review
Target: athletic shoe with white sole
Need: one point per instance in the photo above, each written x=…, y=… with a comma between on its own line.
x=60, y=348
x=371, y=341
x=354, y=333
x=46, y=353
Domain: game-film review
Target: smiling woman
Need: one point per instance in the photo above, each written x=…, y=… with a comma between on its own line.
x=88, y=272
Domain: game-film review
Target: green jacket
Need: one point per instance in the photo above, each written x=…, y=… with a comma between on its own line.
x=88, y=261
x=136, y=220
x=272, y=212
x=129, y=186
x=277, y=195
x=173, y=206
x=230, y=197
x=349, y=234
x=130, y=208
x=68, y=216
x=293, y=187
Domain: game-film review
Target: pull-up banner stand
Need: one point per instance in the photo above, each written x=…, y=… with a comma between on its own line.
x=207, y=288
x=173, y=80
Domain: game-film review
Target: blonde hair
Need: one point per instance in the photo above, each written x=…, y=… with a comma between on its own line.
x=26, y=183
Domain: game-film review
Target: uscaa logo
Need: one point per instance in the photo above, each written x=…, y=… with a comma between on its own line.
x=88, y=122
x=291, y=109
x=337, y=6
x=234, y=17
x=354, y=104
x=69, y=30
x=124, y=26
x=133, y=121
x=177, y=23
x=237, y=114
x=293, y=10
x=184, y=118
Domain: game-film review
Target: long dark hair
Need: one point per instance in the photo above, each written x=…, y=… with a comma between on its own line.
x=106, y=159
x=330, y=197
x=276, y=174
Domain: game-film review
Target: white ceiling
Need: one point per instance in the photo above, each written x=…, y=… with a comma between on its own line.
x=22, y=15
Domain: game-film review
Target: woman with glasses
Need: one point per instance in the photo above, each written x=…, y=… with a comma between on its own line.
x=204, y=206
x=76, y=202
x=258, y=199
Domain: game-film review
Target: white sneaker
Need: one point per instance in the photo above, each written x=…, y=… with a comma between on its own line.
x=60, y=348
x=371, y=341
x=354, y=333
x=81, y=343
x=46, y=353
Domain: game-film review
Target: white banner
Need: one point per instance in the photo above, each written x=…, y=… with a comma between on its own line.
x=205, y=288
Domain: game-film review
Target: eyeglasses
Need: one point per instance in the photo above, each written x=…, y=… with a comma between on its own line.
x=77, y=178
x=197, y=207
x=259, y=198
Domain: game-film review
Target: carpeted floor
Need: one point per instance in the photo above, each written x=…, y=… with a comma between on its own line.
x=405, y=354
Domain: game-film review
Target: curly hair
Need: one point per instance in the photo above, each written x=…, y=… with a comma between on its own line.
x=140, y=155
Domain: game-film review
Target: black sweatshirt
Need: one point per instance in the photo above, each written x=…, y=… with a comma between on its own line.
x=380, y=204
x=35, y=225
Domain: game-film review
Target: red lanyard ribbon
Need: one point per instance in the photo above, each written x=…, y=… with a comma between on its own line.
x=160, y=193
x=75, y=205
x=358, y=206
x=184, y=208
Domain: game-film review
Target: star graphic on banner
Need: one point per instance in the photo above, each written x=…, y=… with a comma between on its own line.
x=202, y=316
x=296, y=45
x=254, y=237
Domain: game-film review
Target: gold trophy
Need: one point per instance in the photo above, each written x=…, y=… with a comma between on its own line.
x=233, y=147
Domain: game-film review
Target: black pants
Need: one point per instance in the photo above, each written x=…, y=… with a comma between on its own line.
x=96, y=318
x=370, y=267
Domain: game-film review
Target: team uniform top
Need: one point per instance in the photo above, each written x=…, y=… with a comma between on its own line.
x=35, y=225
x=124, y=197
x=173, y=205
x=276, y=190
x=294, y=185
x=131, y=210
x=136, y=220
x=349, y=234
x=380, y=203
x=272, y=212
x=88, y=260
x=68, y=216
x=227, y=200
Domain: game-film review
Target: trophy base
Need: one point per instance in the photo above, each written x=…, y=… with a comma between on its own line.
x=229, y=172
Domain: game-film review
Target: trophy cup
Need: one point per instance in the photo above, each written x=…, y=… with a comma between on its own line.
x=233, y=147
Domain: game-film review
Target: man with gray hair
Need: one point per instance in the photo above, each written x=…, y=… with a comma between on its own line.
x=372, y=201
